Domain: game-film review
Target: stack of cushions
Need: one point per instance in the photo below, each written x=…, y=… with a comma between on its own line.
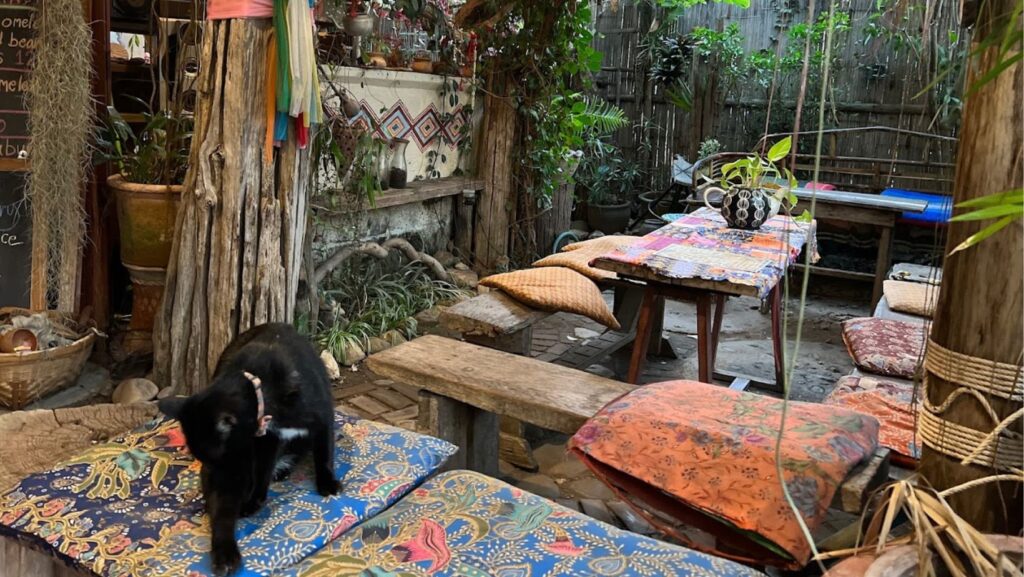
x=704, y=456
x=885, y=346
x=467, y=524
x=133, y=507
x=578, y=255
x=555, y=289
x=890, y=401
x=911, y=297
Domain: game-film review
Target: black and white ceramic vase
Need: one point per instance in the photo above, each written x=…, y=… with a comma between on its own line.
x=745, y=208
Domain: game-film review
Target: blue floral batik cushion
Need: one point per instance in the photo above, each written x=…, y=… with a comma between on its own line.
x=464, y=524
x=133, y=507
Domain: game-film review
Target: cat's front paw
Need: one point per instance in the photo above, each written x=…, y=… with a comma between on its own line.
x=327, y=486
x=226, y=558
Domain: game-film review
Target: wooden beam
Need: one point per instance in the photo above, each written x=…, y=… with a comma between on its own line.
x=495, y=162
x=419, y=191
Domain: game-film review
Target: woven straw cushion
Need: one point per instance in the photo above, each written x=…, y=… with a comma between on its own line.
x=911, y=297
x=885, y=346
x=577, y=256
x=555, y=289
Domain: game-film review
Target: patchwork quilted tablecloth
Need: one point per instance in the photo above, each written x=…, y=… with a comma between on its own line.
x=700, y=246
x=469, y=525
x=132, y=507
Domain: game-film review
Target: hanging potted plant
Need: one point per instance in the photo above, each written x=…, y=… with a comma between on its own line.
x=753, y=189
x=150, y=164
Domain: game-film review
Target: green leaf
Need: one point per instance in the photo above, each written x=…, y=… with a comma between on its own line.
x=780, y=149
x=987, y=213
x=1010, y=196
x=983, y=234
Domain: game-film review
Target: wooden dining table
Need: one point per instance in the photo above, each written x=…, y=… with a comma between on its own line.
x=698, y=258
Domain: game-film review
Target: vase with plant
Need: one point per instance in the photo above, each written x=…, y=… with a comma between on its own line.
x=150, y=162
x=607, y=180
x=751, y=189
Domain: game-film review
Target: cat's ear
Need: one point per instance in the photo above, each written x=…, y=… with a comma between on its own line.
x=225, y=423
x=172, y=406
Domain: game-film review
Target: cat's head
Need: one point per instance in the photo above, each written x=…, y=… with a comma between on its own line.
x=216, y=421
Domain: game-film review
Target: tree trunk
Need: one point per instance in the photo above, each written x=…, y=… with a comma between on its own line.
x=496, y=202
x=239, y=236
x=980, y=309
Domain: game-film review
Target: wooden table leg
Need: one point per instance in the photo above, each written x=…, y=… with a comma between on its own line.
x=716, y=327
x=704, y=338
x=473, y=430
x=778, y=351
x=643, y=336
x=883, y=264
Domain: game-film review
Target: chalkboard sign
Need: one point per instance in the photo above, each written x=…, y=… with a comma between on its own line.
x=17, y=50
x=15, y=241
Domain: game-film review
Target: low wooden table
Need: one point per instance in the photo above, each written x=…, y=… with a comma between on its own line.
x=698, y=259
x=861, y=208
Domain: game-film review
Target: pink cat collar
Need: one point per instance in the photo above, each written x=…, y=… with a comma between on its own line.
x=263, y=421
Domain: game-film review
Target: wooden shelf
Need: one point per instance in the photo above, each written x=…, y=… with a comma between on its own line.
x=420, y=191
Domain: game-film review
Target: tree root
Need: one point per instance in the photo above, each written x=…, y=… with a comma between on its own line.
x=380, y=251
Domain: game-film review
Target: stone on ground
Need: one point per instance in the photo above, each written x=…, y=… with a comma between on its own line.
x=466, y=279
x=376, y=345
x=393, y=337
x=131, y=391
x=331, y=364
x=353, y=354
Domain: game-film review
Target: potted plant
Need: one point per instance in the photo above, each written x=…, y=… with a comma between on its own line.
x=751, y=190
x=607, y=180
x=151, y=163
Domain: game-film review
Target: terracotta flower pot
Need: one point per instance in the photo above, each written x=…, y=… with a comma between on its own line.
x=146, y=215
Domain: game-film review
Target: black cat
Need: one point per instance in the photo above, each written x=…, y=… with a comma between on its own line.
x=269, y=402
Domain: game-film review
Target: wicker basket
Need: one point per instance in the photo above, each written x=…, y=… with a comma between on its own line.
x=28, y=376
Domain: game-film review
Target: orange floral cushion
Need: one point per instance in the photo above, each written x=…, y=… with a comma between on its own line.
x=891, y=401
x=911, y=297
x=555, y=289
x=704, y=456
x=578, y=255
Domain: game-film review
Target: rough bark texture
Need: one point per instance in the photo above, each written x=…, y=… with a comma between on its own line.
x=980, y=309
x=497, y=201
x=239, y=237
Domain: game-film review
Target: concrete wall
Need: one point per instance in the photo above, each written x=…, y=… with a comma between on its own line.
x=427, y=225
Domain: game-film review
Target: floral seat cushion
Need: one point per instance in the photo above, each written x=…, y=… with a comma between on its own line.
x=885, y=346
x=467, y=524
x=704, y=456
x=132, y=507
x=892, y=402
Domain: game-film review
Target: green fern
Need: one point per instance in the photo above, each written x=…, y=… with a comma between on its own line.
x=601, y=116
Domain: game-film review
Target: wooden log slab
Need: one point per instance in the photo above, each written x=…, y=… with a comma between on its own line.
x=542, y=394
x=492, y=314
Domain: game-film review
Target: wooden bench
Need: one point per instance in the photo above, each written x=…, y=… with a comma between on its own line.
x=464, y=388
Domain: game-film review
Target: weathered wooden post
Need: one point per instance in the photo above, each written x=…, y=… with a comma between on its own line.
x=973, y=363
x=239, y=237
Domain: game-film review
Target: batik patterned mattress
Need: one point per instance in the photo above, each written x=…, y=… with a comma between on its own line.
x=469, y=525
x=132, y=507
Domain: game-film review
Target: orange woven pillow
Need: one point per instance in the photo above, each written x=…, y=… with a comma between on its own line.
x=911, y=297
x=555, y=289
x=578, y=255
